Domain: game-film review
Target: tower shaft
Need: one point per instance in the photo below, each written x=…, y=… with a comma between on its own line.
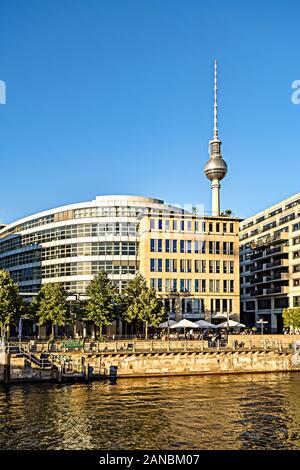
x=215, y=197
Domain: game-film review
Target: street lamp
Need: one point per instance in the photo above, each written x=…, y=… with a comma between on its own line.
x=262, y=322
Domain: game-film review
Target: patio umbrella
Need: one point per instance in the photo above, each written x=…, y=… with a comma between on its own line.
x=230, y=324
x=205, y=324
x=184, y=323
x=165, y=324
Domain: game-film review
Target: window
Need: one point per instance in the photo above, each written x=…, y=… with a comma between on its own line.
x=152, y=224
x=224, y=227
x=182, y=225
x=231, y=228
x=174, y=246
x=189, y=225
x=167, y=246
x=152, y=244
x=167, y=266
x=210, y=227
x=159, y=224
x=217, y=227
x=159, y=246
x=181, y=246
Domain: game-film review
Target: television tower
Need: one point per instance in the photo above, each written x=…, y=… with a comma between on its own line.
x=215, y=168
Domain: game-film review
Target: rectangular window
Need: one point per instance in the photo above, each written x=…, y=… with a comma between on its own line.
x=152, y=224
x=159, y=264
x=189, y=225
x=231, y=228
x=174, y=246
x=167, y=244
x=196, y=247
x=217, y=227
x=159, y=246
x=189, y=246
x=159, y=224
x=182, y=225
x=167, y=265
x=152, y=264
x=174, y=224
x=181, y=246
x=152, y=244
x=210, y=227
x=167, y=225
x=224, y=227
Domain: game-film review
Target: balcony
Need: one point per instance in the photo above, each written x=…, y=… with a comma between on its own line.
x=269, y=240
x=271, y=278
x=279, y=263
x=271, y=291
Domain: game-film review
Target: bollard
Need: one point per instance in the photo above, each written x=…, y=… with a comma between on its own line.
x=116, y=346
x=59, y=374
x=7, y=369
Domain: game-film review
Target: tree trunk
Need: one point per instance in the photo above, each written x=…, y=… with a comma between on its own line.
x=146, y=330
x=100, y=331
x=52, y=333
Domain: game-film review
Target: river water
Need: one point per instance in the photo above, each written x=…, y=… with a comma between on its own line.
x=259, y=411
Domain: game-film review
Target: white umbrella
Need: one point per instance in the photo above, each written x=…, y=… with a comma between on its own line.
x=205, y=324
x=165, y=324
x=230, y=324
x=184, y=323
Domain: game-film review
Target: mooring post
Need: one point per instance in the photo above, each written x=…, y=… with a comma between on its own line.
x=7, y=368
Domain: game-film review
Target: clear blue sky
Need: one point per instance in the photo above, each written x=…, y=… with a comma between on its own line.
x=115, y=97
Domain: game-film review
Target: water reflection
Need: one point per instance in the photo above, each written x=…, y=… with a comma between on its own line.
x=260, y=411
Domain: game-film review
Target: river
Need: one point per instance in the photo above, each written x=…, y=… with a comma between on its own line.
x=259, y=411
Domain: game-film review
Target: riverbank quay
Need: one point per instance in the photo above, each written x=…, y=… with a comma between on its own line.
x=74, y=361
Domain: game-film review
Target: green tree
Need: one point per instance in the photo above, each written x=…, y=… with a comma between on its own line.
x=10, y=301
x=51, y=305
x=227, y=213
x=152, y=311
x=291, y=318
x=141, y=304
x=103, y=301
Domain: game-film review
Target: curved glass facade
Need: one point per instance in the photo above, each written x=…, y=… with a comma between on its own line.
x=70, y=244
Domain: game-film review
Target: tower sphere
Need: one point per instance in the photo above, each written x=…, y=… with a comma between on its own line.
x=215, y=168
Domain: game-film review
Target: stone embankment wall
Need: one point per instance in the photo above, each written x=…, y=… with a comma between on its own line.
x=192, y=363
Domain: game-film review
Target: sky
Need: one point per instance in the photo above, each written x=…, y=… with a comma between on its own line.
x=116, y=97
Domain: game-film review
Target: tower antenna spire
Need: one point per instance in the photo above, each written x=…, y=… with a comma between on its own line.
x=215, y=102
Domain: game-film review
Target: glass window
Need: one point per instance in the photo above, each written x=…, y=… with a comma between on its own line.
x=159, y=246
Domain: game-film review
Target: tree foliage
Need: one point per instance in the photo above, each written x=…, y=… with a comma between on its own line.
x=10, y=300
x=141, y=304
x=103, y=303
x=291, y=318
x=51, y=305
